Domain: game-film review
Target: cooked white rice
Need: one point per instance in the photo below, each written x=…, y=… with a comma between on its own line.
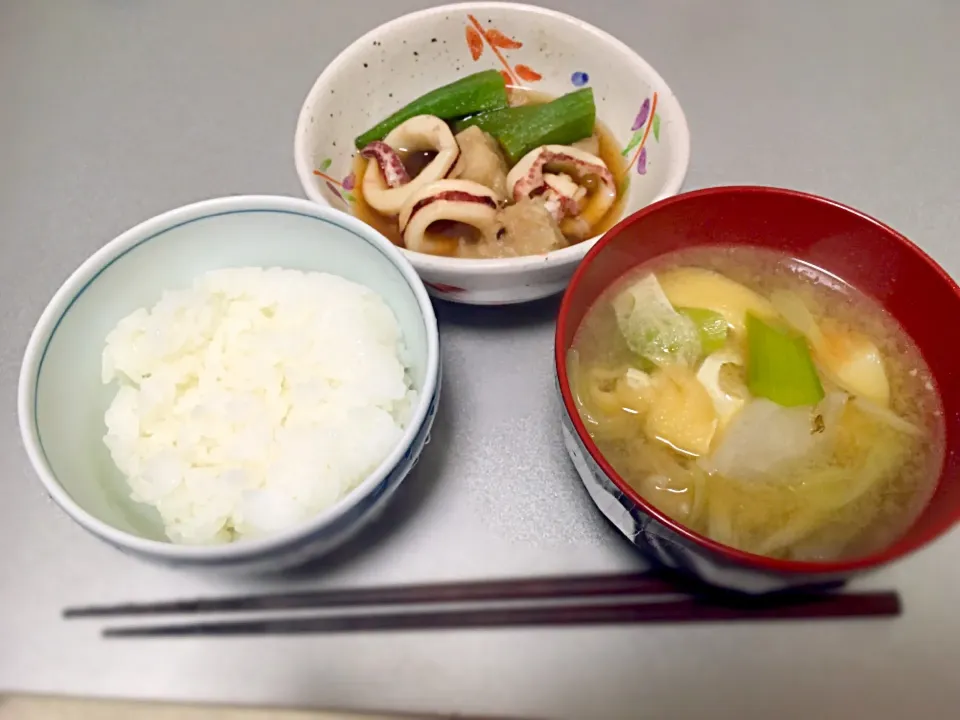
x=254, y=399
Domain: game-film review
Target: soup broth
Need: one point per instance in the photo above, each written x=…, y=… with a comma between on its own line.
x=835, y=464
x=460, y=240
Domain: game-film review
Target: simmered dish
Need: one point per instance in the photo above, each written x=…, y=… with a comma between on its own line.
x=475, y=169
x=760, y=402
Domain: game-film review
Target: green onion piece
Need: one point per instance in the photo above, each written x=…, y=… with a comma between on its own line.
x=477, y=93
x=563, y=121
x=644, y=364
x=651, y=327
x=779, y=366
x=711, y=325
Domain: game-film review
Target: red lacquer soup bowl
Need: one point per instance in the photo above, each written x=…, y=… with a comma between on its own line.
x=862, y=251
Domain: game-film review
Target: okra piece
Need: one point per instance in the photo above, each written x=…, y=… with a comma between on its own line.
x=477, y=93
x=519, y=130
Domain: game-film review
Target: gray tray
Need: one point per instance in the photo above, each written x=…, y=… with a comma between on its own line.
x=113, y=111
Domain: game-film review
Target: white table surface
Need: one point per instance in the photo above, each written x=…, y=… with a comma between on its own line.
x=114, y=110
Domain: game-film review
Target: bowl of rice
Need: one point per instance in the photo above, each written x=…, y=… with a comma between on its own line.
x=241, y=383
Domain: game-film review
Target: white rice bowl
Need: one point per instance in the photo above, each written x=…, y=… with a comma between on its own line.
x=254, y=400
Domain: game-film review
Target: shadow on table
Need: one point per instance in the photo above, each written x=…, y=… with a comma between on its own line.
x=409, y=497
x=506, y=317
x=416, y=489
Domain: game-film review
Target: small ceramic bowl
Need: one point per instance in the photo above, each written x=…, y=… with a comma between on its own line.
x=62, y=400
x=535, y=48
x=862, y=251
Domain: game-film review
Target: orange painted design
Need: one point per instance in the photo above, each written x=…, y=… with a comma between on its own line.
x=503, y=61
x=340, y=188
x=525, y=72
x=474, y=42
x=327, y=178
x=440, y=287
x=646, y=134
x=498, y=39
x=506, y=77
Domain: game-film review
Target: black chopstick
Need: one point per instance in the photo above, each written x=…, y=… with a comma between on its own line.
x=687, y=610
x=469, y=591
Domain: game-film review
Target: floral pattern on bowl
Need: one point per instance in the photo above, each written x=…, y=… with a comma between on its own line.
x=478, y=39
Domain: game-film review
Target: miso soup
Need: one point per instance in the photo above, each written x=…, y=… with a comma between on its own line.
x=760, y=402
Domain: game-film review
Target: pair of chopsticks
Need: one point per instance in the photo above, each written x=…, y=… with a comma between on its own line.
x=548, y=601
